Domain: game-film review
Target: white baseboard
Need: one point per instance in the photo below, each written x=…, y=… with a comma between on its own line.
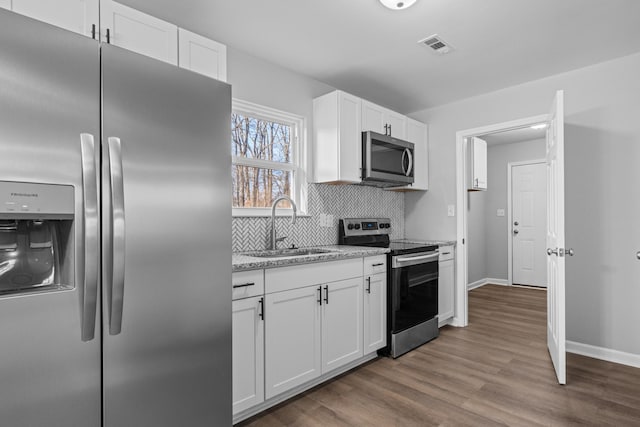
x=487, y=281
x=603, y=353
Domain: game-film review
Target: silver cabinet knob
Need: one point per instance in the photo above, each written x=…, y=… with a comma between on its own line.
x=515, y=231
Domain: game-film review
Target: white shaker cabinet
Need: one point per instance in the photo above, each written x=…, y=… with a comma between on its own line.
x=79, y=16
x=477, y=149
x=375, y=312
x=417, y=133
x=341, y=323
x=337, y=138
x=293, y=338
x=248, y=353
x=202, y=55
x=446, y=281
x=136, y=31
x=383, y=120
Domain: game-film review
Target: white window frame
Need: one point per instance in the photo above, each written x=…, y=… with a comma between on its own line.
x=298, y=165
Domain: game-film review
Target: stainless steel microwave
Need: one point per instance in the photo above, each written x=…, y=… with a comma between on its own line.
x=386, y=161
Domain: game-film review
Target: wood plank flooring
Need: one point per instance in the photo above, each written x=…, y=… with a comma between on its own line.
x=497, y=371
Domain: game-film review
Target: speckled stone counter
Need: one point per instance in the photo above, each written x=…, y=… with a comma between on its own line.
x=242, y=261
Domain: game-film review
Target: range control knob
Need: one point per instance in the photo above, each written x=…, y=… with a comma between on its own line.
x=382, y=225
x=350, y=226
x=357, y=226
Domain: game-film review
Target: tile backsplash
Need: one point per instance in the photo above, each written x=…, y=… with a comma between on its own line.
x=341, y=201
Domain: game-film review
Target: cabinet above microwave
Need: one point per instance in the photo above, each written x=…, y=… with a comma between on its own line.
x=338, y=122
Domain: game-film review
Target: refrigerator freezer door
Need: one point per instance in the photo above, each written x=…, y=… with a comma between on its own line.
x=49, y=96
x=170, y=362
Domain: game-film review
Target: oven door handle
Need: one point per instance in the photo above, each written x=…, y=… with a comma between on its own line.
x=421, y=259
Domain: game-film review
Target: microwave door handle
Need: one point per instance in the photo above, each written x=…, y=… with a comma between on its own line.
x=404, y=156
x=90, y=239
x=117, y=235
x=410, y=157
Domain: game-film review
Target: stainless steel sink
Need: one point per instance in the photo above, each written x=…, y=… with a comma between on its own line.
x=282, y=253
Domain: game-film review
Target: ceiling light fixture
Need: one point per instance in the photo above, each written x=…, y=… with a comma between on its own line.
x=539, y=126
x=397, y=4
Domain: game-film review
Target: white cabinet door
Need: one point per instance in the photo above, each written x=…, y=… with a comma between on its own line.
x=373, y=117
x=478, y=162
x=397, y=123
x=341, y=323
x=248, y=353
x=446, y=280
x=338, y=138
x=139, y=32
x=375, y=312
x=418, y=134
x=202, y=55
x=292, y=339
x=75, y=15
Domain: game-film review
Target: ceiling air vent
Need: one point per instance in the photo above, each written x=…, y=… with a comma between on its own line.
x=436, y=43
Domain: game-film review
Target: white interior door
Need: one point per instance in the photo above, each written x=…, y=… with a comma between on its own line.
x=529, y=218
x=555, y=238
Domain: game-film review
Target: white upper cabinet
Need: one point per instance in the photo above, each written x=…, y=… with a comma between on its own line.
x=79, y=16
x=136, y=31
x=337, y=138
x=383, y=120
x=477, y=149
x=202, y=55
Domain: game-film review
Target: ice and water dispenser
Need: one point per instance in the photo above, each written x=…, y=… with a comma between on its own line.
x=36, y=237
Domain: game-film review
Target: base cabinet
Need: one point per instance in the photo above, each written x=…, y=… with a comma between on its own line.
x=446, y=281
x=248, y=353
x=293, y=337
x=341, y=323
x=375, y=312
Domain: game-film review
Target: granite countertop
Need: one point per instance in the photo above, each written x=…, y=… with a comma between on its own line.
x=242, y=261
x=429, y=242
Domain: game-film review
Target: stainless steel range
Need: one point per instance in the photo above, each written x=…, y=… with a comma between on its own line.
x=412, y=283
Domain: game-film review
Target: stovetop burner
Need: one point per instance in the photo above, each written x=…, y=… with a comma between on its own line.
x=374, y=232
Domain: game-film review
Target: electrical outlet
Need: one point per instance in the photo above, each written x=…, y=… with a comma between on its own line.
x=451, y=210
x=325, y=220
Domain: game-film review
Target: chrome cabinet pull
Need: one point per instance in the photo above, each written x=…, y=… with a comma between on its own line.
x=326, y=294
x=117, y=235
x=261, y=309
x=91, y=238
x=368, y=285
x=377, y=264
x=319, y=300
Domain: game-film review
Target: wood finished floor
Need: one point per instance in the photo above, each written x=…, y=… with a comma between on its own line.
x=494, y=372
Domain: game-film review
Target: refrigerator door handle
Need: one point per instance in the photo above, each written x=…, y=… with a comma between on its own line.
x=117, y=235
x=90, y=238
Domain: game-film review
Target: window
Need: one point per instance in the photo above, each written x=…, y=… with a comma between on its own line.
x=268, y=158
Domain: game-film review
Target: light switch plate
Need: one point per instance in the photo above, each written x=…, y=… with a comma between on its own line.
x=451, y=210
x=500, y=212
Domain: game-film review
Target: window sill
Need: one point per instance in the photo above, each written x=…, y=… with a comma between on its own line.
x=265, y=213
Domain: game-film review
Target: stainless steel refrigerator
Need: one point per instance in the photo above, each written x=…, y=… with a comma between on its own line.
x=115, y=236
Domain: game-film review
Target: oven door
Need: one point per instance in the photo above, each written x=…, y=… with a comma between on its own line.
x=386, y=159
x=414, y=290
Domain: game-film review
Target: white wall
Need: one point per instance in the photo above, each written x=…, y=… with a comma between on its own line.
x=602, y=180
x=476, y=236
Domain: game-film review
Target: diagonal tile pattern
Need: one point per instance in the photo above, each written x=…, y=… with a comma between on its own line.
x=341, y=201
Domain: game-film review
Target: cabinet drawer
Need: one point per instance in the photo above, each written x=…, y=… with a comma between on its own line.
x=446, y=253
x=247, y=284
x=375, y=264
x=298, y=276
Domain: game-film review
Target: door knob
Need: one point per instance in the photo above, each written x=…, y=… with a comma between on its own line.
x=638, y=255
x=552, y=251
x=569, y=252
x=516, y=223
x=515, y=231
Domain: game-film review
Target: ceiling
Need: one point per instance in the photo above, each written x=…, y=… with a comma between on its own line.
x=514, y=135
x=363, y=48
